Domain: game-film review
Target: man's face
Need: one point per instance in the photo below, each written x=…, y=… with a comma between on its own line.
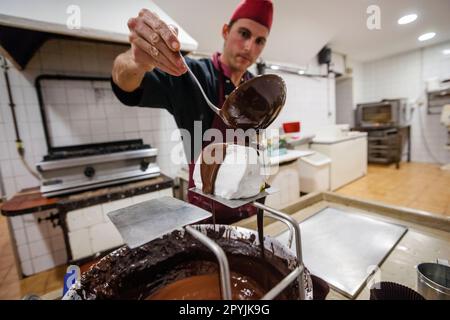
x=244, y=42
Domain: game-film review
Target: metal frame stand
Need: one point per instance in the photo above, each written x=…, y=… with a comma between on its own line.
x=296, y=274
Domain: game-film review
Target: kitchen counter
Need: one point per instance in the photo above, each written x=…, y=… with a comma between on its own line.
x=31, y=200
x=427, y=238
x=47, y=232
x=290, y=155
x=337, y=139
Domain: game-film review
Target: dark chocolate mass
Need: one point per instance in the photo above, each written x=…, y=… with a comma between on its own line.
x=142, y=272
x=211, y=159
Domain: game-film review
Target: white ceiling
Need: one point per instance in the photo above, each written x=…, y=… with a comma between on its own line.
x=302, y=27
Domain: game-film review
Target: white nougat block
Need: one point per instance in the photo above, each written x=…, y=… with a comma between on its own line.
x=80, y=243
x=239, y=175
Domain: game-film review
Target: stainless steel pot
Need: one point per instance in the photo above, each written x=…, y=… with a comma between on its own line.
x=231, y=232
x=433, y=281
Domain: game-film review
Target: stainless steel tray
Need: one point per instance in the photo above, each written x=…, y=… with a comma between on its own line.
x=344, y=248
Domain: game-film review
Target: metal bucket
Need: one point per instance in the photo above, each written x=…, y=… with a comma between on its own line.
x=433, y=281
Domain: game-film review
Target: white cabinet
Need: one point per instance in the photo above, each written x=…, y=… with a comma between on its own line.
x=348, y=157
x=285, y=179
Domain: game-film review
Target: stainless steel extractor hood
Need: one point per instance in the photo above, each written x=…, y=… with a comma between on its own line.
x=25, y=25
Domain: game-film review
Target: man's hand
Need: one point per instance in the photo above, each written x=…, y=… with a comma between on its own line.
x=155, y=44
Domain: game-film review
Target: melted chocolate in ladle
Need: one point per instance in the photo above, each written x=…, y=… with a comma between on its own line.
x=254, y=104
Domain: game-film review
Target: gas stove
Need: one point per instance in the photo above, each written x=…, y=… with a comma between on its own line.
x=83, y=167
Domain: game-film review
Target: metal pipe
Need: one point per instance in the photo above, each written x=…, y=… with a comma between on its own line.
x=287, y=223
x=298, y=244
x=275, y=291
x=225, y=284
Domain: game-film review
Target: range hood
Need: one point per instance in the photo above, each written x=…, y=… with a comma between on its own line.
x=26, y=25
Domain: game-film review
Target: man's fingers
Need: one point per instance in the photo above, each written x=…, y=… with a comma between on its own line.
x=159, y=26
x=155, y=55
x=155, y=40
x=174, y=29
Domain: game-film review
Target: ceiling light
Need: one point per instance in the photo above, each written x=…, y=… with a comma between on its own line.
x=446, y=51
x=407, y=19
x=274, y=67
x=301, y=72
x=427, y=36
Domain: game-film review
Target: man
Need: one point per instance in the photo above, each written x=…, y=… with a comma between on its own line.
x=153, y=74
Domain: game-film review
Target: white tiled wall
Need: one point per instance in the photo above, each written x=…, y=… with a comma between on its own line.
x=40, y=246
x=90, y=229
x=403, y=76
x=78, y=113
x=309, y=100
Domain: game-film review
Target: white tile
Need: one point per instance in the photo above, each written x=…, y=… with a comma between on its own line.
x=36, y=130
x=54, y=231
x=104, y=236
x=20, y=236
x=166, y=192
x=57, y=243
x=99, y=127
x=26, y=181
x=145, y=124
x=85, y=217
x=80, y=243
x=36, y=232
x=43, y=263
x=59, y=257
x=40, y=248
x=24, y=252
x=27, y=268
x=115, y=126
x=4, y=150
x=16, y=222
x=10, y=186
x=131, y=124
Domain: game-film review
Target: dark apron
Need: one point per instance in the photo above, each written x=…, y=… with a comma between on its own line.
x=222, y=214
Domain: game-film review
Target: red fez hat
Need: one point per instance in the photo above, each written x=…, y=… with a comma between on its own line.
x=260, y=11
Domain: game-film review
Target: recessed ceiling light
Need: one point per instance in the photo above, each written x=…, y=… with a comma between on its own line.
x=407, y=19
x=301, y=72
x=446, y=51
x=427, y=36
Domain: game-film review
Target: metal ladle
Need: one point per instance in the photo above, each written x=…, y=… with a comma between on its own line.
x=254, y=104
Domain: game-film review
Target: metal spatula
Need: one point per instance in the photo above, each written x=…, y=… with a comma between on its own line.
x=148, y=220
